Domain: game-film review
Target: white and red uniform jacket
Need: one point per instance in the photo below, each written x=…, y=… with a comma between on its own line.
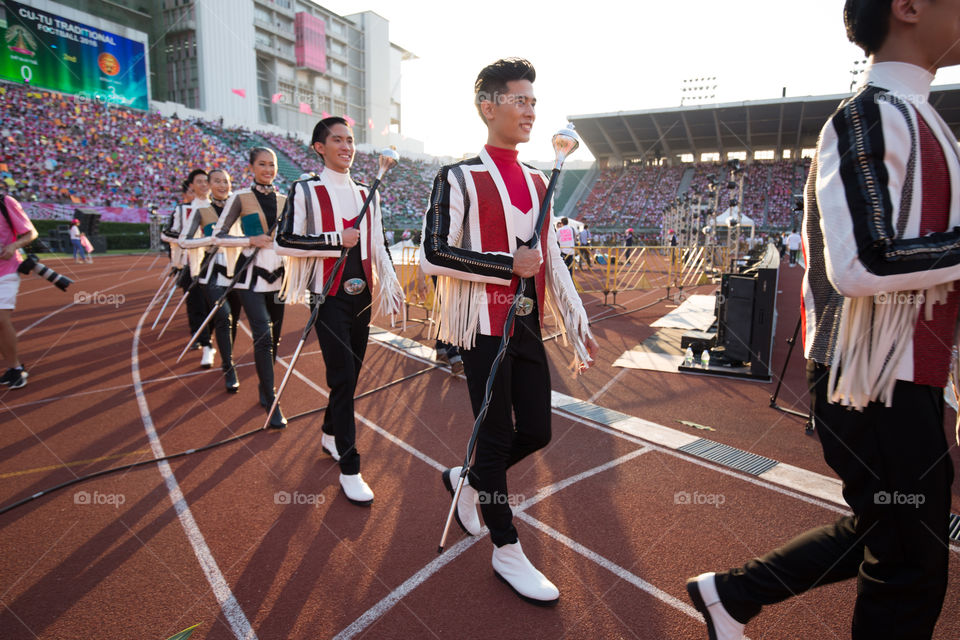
x=470, y=233
x=319, y=209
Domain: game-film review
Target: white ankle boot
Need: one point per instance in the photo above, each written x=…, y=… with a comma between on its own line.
x=357, y=491
x=720, y=624
x=466, y=511
x=512, y=567
x=329, y=445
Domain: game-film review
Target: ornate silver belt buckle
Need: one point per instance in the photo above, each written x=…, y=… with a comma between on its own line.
x=524, y=306
x=354, y=286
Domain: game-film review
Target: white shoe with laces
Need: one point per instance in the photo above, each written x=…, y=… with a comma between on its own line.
x=329, y=445
x=720, y=624
x=357, y=491
x=206, y=360
x=511, y=566
x=466, y=511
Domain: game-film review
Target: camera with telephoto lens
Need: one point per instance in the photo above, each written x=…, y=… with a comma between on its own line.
x=32, y=263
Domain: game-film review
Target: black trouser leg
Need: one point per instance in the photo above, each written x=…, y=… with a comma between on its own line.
x=197, y=308
x=255, y=305
x=896, y=475
x=222, y=321
x=343, y=326
x=275, y=311
x=521, y=388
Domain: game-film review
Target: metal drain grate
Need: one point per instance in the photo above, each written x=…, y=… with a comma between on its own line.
x=729, y=456
x=954, y=527
x=595, y=413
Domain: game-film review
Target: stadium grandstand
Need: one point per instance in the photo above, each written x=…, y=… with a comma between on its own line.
x=65, y=150
x=647, y=160
x=69, y=150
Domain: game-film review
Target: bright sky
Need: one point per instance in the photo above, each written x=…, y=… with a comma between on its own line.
x=602, y=56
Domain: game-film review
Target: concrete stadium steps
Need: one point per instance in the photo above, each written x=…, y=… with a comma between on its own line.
x=241, y=142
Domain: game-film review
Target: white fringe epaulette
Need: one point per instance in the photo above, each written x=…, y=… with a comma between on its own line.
x=564, y=302
x=456, y=310
x=387, y=289
x=955, y=375
x=298, y=276
x=457, y=305
x=874, y=334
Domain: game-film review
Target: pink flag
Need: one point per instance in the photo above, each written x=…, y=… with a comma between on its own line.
x=276, y=98
x=385, y=131
x=240, y=92
x=305, y=108
x=324, y=115
x=370, y=122
x=350, y=121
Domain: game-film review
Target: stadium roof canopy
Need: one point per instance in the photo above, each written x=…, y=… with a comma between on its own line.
x=783, y=124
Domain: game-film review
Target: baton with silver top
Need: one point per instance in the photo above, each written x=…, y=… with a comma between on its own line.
x=388, y=160
x=565, y=142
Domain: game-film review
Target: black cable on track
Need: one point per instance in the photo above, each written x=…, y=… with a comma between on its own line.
x=207, y=447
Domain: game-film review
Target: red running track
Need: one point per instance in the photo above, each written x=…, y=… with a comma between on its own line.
x=118, y=557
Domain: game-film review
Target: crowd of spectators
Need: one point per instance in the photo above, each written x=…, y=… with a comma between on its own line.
x=68, y=150
x=638, y=195
x=65, y=149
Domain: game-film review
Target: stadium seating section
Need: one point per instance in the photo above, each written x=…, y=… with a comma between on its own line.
x=62, y=149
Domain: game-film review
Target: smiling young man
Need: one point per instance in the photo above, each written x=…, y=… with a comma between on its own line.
x=882, y=215
x=481, y=213
x=316, y=226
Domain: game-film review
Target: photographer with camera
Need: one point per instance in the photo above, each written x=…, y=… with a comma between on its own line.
x=16, y=232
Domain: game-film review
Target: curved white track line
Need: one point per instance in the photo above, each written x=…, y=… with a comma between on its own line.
x=221, y=590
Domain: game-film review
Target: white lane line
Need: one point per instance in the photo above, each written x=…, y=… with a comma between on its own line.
x=373, y=426
x=377, y=611
x=67, y=306
x=607, y=386
x=615, y=569
x=221, y=590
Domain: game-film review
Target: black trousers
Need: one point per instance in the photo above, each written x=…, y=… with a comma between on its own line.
x=224, y=321
x=343, y=326
x=265, y=314
x=521, y=389
x=197, y=307
x=896, y=475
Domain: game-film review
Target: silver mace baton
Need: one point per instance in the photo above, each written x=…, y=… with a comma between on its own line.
x=173, y=288
x=223, y=297
x=388, y=160
x=163, y=286
x=193, y=283
x=565, y=142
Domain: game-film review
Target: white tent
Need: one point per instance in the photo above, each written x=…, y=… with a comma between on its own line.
x=724, y=219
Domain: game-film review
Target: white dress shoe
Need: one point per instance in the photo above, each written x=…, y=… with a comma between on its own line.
x=357, y=491
x=206, y=360
x=329, y=446
x=511, y=566
x=466, y=512
x=720, y=624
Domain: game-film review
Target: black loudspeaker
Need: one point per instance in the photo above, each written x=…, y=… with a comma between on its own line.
x=89, y=221
x=746, y=314
x=736, y=319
